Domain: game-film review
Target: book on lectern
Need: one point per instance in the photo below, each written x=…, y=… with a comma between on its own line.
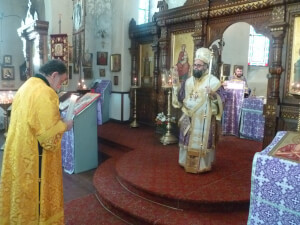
x=85, y=101
x=71, y=108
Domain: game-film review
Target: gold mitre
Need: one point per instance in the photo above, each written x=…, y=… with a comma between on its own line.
x=203, y=54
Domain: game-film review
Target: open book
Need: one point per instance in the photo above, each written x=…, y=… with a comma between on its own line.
x=71, y=102
x=84, y=101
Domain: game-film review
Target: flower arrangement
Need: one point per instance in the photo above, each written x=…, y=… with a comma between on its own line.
x=161, y=122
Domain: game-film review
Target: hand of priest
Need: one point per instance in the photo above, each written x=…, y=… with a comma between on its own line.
x=211, y=94
x=208, y=90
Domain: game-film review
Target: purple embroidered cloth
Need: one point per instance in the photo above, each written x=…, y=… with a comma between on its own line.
x=275, y=189
x=252, y=119
x=67, y=149
x=101, y=87
x=232, y=111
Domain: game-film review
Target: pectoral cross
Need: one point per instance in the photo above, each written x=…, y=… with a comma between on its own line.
x=194, y=95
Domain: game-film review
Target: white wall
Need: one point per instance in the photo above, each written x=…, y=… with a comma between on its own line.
x=235, y=51
x=115, y=111
x=257, y=80
x=120, y=40
x=11, y=14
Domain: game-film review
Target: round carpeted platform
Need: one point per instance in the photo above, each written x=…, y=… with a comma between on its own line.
x=153, y=171
x=143, y=182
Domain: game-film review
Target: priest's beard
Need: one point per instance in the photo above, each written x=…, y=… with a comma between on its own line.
x=198, y=73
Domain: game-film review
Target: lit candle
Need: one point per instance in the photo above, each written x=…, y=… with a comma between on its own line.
x=135, y=80
x=163, y=79
x=293, y=86
x=170, y=81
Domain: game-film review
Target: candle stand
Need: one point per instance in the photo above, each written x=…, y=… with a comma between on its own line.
x=6, y=99
x=5, y=107
x=168, y=138
x=134, y=123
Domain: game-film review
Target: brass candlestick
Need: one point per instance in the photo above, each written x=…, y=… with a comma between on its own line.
x=169, y=138
x=134, y=123
x=5, y=107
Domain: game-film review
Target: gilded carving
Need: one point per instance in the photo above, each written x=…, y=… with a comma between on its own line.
x=198, y=26
x=278, y=14
x=200, y=11
x=290, y=116
x=164, y=32
x=270, y=110
x=244, y=6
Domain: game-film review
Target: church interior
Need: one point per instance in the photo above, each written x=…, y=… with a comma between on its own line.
x=120, y=161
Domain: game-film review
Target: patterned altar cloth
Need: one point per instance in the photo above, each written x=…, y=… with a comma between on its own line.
x=275, y=188
x=67, y=149
x=252, y=119
x=232, y=111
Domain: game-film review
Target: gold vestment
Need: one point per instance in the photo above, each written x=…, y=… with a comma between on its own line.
x=35, y=118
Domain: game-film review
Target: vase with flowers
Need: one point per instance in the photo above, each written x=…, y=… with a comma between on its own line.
x=161, y=122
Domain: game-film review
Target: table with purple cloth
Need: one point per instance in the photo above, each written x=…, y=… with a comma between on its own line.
x=104, y=87
x=232, y=111
x=275, y=188
x=252, y=120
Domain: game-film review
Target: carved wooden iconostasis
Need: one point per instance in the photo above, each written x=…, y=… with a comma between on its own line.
x=289, y=112
x=144, y=68
x=204, y=22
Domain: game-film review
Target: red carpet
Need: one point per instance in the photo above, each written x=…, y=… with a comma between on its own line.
x=87, y=210
x=143, y=183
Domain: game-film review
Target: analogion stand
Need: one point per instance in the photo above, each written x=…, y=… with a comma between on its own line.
x=80, y=145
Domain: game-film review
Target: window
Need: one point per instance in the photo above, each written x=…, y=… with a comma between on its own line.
x=147, y=8
x=143, y=11
x=258, y=54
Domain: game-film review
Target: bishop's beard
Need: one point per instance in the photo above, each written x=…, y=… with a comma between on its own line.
x=198, y=73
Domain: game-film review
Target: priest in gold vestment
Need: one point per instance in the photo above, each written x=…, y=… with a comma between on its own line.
x=200, y=101
x=31, y=188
